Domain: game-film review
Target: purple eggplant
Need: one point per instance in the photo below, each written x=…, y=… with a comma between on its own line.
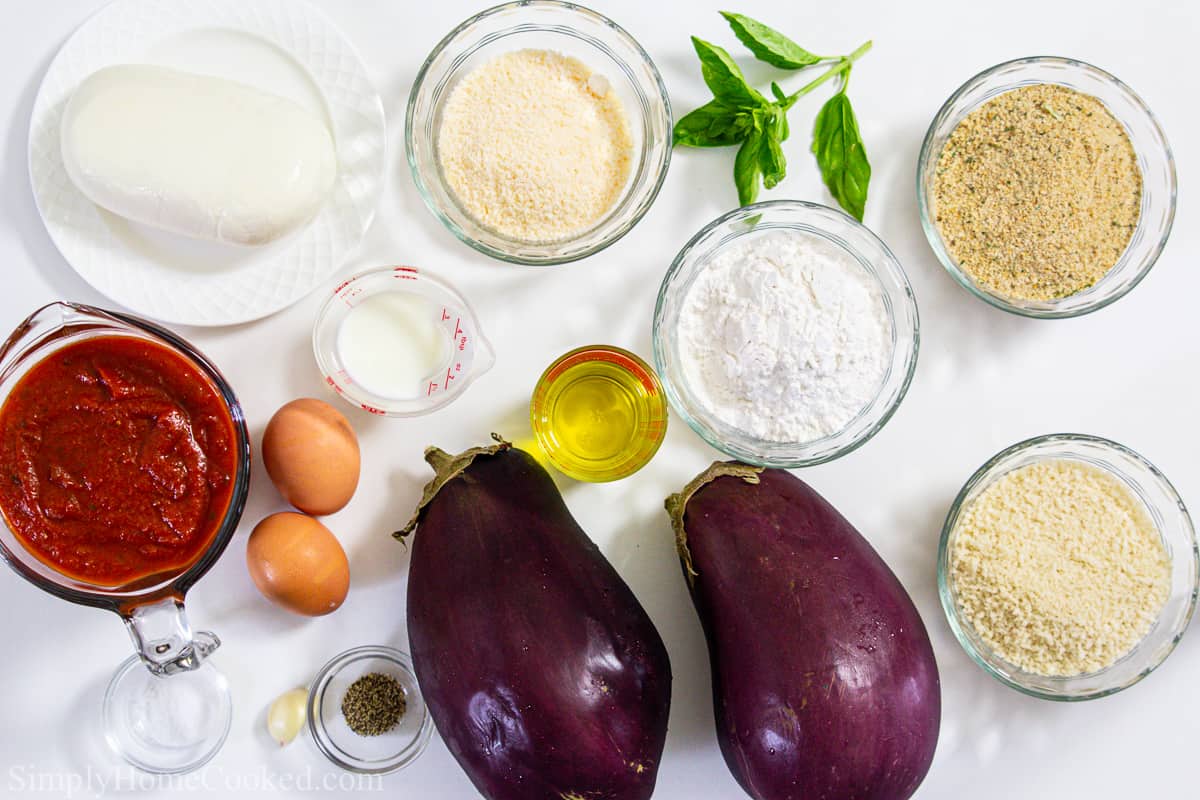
x=542, y=672
x=824, y=682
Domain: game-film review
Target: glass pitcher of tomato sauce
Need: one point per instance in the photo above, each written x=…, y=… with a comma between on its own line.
x=125, y=467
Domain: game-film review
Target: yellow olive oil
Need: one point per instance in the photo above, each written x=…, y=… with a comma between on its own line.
x=598, y=413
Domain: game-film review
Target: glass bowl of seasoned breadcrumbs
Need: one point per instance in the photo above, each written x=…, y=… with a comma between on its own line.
x=1068, y=567
x=538, y=132
x=1046, y=187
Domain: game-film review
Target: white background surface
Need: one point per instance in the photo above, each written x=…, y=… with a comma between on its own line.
x=985, y=380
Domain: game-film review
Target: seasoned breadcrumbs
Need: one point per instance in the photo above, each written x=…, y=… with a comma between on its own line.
x=1059, y=568
x=1037, y=192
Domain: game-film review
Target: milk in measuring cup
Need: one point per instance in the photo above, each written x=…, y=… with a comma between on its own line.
x=392, y=342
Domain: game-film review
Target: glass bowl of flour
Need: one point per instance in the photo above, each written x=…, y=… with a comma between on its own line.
x=786, y=334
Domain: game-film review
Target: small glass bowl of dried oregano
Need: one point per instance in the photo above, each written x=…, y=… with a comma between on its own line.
x=366, y=713
x=1046, y=187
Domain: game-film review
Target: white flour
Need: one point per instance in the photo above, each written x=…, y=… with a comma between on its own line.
x=784, y=336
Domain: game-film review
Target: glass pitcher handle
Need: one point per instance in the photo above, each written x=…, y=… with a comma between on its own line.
x=164, y=638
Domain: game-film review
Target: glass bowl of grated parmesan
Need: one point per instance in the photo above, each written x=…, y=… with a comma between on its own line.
x=1068, y=567
x=785, y=334
x=538, y=132
x=1056, y=183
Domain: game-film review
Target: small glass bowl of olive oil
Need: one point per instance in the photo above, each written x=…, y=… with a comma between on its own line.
x=599, y=413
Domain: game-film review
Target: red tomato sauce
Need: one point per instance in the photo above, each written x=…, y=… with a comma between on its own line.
x=117, y=460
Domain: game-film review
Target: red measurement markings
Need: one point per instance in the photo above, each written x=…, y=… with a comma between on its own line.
x=373, y=409
x=350, y=293
x=459, y=335
x=460, y=339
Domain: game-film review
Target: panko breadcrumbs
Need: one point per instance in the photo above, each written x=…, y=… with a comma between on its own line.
x=1037, y=192
x=1059, y=567
x=535, y=146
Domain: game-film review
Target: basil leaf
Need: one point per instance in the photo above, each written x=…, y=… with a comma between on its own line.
x=841, y=156
x=768, y=44
x=747, y=167
x=778, y=92
x=774, y=165
x=771, y=158
x=713, y=124
x=720, y=130
x=782, y=105
x=742, y=124
x=724, y=77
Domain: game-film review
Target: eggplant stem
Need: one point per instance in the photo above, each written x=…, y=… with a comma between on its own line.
x=446, y=468
x=438, y=458
x=677, y=504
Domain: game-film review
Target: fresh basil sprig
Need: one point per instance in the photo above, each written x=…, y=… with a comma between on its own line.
x=740, y=115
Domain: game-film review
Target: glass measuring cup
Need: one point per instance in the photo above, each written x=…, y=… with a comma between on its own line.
x=466, y=356
x=167, y=709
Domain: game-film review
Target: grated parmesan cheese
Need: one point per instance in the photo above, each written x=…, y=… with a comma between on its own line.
x=1059, y=568
x=535, y=146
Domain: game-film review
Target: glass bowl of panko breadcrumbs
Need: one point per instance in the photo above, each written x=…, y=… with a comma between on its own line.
x=1068, y=567
x=1046, y=187
x=538, y=132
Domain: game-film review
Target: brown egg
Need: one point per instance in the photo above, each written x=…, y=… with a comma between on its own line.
x=311, y=454
x=296, y=562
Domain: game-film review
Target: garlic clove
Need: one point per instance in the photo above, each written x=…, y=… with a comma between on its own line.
x=286, y=716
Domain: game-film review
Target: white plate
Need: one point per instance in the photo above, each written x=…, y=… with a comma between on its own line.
x=281, y=46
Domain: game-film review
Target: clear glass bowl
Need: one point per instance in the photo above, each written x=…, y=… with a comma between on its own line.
x=367, y=755
x=844, y=232
x=1178, y=536
x=565, y=28
x=647, y=402
x=167, y=725
x=1153, y=156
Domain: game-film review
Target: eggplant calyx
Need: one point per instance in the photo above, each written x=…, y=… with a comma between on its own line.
x=447, y=467
x=677, y=503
